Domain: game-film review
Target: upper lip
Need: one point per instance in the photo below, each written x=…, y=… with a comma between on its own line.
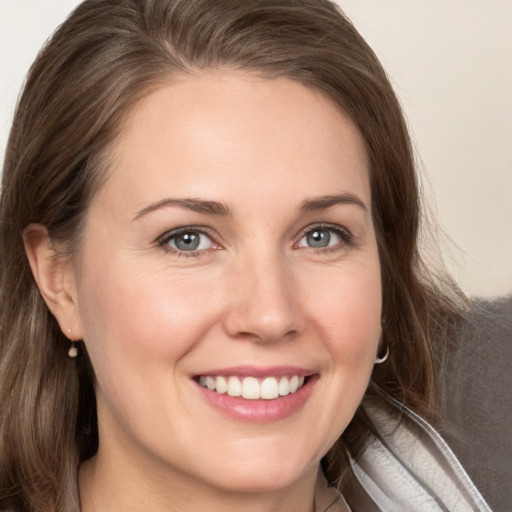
x=258, y=371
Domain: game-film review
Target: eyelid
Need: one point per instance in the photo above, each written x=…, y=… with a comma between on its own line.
x=345, y=234
x=163, y=240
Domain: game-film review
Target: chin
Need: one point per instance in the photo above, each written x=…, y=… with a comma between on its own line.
x=263, y=473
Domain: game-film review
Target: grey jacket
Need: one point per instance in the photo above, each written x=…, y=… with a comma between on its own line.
x=408, y=467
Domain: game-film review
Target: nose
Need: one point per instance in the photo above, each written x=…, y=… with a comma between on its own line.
x=263, y=301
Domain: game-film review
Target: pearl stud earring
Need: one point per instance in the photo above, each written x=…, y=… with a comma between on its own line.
x=73, y=350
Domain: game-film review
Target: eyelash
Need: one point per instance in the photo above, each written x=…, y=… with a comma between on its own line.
x=345, y=235
x=163, y=241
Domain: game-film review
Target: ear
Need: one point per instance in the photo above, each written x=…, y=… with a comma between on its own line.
x=55, y=278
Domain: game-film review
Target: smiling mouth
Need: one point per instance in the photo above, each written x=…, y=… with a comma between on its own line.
x=253, y=388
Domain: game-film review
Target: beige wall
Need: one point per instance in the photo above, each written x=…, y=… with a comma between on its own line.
x=451, y=63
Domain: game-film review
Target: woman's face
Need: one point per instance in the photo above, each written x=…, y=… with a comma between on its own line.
x=232, y=246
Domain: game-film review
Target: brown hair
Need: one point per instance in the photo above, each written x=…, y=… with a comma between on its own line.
x=96, y=66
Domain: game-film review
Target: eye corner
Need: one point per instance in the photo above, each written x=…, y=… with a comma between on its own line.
x=187, y=241
x=325, y=237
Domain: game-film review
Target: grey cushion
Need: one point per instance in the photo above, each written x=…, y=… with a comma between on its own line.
x=476, y=399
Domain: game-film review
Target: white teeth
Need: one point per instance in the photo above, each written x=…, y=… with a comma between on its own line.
x=251, y=388
x=269, y=388
x=284, y=386
x=294, y=384
x=210, y=383
x=221, y=385
x=234, y=386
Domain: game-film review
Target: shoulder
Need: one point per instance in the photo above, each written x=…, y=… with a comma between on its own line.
x=406, y=465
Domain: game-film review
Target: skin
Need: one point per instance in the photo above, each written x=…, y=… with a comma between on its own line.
x=255, y=293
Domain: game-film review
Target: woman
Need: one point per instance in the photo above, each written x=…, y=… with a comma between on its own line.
x=209, y=249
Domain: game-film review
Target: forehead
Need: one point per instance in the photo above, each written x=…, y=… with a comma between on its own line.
x=240, y=129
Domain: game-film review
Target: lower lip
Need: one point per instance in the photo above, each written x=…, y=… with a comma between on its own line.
x=260, y=411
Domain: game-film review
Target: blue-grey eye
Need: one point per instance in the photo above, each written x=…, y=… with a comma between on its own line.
x=190, y=241
x=320, y=238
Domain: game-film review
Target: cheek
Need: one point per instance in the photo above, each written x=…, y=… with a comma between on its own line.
x=346, y=307
x=138, y=327
x=135, y=313
x=347, y=318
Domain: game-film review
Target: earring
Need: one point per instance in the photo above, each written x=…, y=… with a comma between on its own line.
x=380, y=360
x=73, y=350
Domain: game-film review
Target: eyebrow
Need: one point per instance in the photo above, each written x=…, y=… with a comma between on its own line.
x=220, y=209
x=323, y=202
x=196, y=205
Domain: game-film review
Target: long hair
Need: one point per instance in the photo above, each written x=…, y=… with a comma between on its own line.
x=98, y=64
